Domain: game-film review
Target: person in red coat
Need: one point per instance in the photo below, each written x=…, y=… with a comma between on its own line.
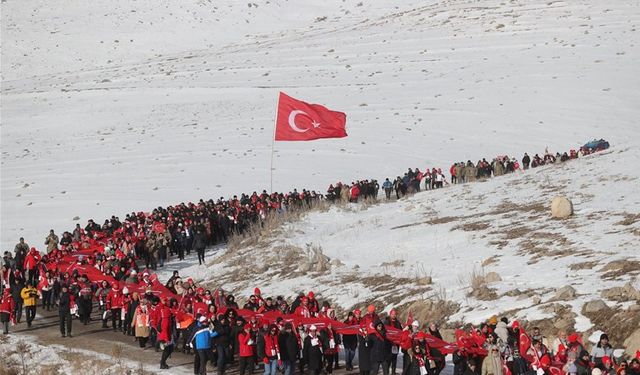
x=247, y=350
x=114, y=303
x=165, y=327
x=272, y=359
x=31, y=265
x=7, y=310
x=303, y=309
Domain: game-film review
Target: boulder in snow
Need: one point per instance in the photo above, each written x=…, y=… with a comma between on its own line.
x=594, y=306
x=632, y=343
x=565, y=293
x=621, y=293
x=561, y=207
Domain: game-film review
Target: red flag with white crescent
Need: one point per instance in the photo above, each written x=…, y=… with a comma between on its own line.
x=300, y=121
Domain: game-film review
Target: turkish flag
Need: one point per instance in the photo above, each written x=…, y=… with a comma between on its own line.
x=300, y=121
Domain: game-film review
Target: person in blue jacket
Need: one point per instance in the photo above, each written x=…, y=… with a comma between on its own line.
x=201, y=342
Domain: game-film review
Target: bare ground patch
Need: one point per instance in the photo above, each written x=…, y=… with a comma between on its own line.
x=617, y=268
x=618, y=324
x=583, y=266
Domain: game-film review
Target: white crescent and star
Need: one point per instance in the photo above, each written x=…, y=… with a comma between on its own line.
x=292, y=121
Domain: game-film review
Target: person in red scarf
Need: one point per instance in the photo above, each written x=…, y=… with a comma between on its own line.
x=370, y=317
x=312, y=351
x=380, y=348
x=114, y=304
x=416, y=361
x=392, y=320
x=330, y=341
x=272, y=358
x=314, y=306
x=350, y=342
x=246, y=350
x=303, y=309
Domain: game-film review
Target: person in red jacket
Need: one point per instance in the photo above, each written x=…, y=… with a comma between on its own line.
x=31, y=265
x=165, y=334
x=303, y=309
x=314, y=306
x=7, y=310
x=247, y=350
x=272, y=359
x=114, y=304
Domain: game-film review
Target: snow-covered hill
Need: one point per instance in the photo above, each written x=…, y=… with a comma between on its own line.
x=114, y=106
x=491, y=247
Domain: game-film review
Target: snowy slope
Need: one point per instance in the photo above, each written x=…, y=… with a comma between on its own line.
x=501, y=226
x=116, y=106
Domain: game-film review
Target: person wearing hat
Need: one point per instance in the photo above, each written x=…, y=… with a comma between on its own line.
x=114, y=304
x=492, y=364
x=312, y=304
x=141, y=323
x=201, y=342
x=312, y=351
x=602, y=349
x=246, y=350
x=370, y=316
x=409, y=333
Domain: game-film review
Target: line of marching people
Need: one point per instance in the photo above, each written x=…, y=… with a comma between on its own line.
x=461, y=172
x=215, y=329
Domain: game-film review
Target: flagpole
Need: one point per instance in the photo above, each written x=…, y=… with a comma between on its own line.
x=273, y=141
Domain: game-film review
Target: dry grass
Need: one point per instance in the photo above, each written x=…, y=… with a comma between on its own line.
x=427, y=310
x=473, y=226
x=583, y=266
x=629, y=219
x=260, y=232
x=617, y=268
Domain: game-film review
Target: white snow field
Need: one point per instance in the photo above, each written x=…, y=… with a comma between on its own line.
x=115, y=106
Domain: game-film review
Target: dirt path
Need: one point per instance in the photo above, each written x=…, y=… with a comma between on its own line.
x=95, y=338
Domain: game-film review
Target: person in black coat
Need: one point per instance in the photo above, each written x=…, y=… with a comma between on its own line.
x=222, y=341
x=289, y=348
x=417, y=361
x=312, y=351
x=64, y=312
x=380, y=349
x=199, y=243
x=17, y=284
x=364, y=353
x=392, y=320
x=350, y=343
x=459, y=362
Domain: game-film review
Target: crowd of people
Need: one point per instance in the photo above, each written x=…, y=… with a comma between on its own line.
x=108, y=269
